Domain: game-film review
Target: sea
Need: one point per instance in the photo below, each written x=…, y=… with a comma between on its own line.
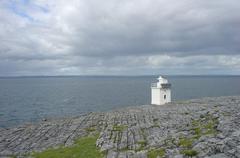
x=31, y=99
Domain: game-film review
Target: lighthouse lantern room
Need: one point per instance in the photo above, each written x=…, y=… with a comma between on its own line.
x=161, y=92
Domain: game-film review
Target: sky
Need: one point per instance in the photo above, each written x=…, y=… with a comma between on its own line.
x=119, y=37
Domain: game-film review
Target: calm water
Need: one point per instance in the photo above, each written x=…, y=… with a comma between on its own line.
x=31, y=99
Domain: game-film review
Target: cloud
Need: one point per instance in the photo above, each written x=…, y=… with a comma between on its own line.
x=59, y=37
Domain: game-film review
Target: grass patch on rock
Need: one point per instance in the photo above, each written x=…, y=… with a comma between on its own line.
x=142, y=144
x=155, y=123
x=90, y=129
x=119, y=128
x=186, y=142
x=154, y=153
x=189, y=152
x=123, y=149
x=83, y=148
x=205, y=126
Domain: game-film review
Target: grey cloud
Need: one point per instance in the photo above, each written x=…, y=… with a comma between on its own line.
x=190, y=30
x=122, y=37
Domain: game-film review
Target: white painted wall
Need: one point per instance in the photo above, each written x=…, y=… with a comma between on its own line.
x=158, y=92
x=155, y=96
x=166, y=92
x=158, y=96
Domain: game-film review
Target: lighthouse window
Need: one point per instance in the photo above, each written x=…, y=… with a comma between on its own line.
x=164, y=96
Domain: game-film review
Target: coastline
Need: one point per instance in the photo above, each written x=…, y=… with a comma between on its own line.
x=208, y=126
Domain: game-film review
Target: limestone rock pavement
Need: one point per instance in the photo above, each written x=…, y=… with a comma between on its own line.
x=207, y=127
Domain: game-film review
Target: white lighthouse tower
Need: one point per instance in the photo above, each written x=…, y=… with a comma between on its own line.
x=161, y=91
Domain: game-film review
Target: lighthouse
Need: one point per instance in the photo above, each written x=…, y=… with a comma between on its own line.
x=161, y=92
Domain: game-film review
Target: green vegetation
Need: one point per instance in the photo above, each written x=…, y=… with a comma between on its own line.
x=155, y=125
x=206, y=125
x=190, y=152
x=117, y=136
x=210, y=127
x=83, y=148
x=123, y=149
x=90, y=129
x=154, y=153
x=119, y=128
x=142, y=144
x=186, y=142
x=197, y=132
x=170, y=141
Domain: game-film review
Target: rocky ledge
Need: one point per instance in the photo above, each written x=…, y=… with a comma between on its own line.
x=208, y=127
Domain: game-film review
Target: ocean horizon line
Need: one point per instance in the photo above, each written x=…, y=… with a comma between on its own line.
x=154, y=75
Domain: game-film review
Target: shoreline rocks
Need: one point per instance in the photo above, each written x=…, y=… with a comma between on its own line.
x=207, y=127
